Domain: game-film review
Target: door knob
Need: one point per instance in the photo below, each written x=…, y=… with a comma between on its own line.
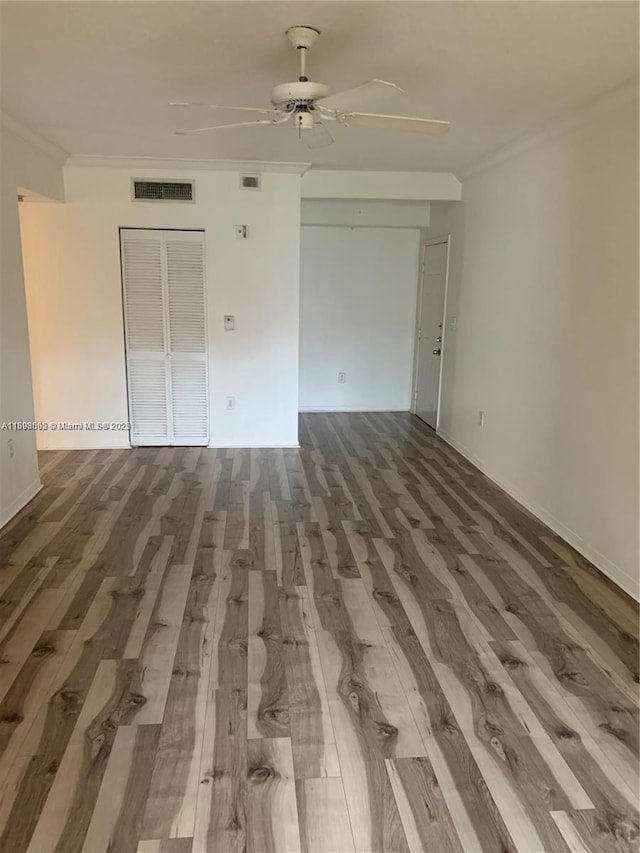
x=439, y=338
x=436, y=352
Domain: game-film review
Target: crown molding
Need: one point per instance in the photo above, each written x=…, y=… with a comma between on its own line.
x=137, y=163
x=556, y=128
x=19, y=129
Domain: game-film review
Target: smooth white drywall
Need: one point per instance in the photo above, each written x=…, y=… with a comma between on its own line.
x=72, y=271
x=424, y=186
x=29, y=167
x=544, y=285
x=357, y=315
x=439, y=224
x=358, y=212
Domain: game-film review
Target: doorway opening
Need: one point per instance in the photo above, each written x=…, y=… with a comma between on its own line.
x=430, y=330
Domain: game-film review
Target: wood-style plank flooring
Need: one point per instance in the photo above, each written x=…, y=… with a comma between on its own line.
x=361, y=646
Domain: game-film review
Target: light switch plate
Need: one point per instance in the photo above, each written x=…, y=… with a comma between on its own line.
x=229, y=322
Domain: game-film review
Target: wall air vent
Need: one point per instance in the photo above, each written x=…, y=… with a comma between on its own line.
x=250, y=182
x=162, y=190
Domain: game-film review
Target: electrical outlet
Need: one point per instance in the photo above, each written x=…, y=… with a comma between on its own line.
x=10, y=448
x=342, y=377
x=230, y=402
x=229, y=322
x=453, y=322
x=481, y=419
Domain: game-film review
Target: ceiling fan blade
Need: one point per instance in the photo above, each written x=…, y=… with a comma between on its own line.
x=317, y=136
x=359, y=96
x=267, y=112
x=222, y=126
x=405, y=124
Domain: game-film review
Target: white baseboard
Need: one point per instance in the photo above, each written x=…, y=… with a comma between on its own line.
x=626, y=582
x=217, y=444
x=308, y=410
x=89, y=446
x=234, y=445
x=21, y=501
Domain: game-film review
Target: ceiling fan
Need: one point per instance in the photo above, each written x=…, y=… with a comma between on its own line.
x=310, y=104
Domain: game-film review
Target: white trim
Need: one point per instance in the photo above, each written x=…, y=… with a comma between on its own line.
x=443, y=342
x=435, y=241
x=19, y=129
x=416, y=330
x=309, y=410
x=432, y=241
x=629, y=584
x=20, y=502
x=537, y=137
x=63, y=448
x=267, y=445
x=95, y=160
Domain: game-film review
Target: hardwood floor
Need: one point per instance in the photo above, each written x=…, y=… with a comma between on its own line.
x=357, y=647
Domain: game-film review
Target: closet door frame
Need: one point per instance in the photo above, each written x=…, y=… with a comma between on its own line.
x=167, y=334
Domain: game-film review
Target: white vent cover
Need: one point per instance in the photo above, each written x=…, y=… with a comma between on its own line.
x=142, y=190
x=250, y=182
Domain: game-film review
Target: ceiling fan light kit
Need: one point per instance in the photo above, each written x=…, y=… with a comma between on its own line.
x=310, y=104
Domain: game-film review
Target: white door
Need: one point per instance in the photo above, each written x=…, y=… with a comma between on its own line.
x=165, y=336
x=430, y=331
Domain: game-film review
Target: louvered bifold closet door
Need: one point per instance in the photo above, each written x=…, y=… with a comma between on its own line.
x=187, y=337
x=143, y=275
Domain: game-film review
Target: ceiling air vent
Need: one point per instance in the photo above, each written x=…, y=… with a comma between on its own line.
x=162, y=190
x=250, y=182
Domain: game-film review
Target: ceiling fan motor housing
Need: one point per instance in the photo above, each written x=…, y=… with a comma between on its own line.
x=287, y=97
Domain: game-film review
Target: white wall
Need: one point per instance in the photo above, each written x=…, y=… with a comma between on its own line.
x=544, y=284
x=25, y=165
x=72, y=271
x=422, y=186
x=374, y=213
x=440, y=217
x=358, y=301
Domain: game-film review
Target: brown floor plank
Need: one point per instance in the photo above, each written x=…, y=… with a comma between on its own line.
x=423, y=811
x=171, y=803
x=110, y=703
x=117, y=817
x=272, y=817
x=31, y=690
x=312, y=736
x=323, y=817
x=358, y=645
x=166, y=845
x=267, y=697
x=221, y=809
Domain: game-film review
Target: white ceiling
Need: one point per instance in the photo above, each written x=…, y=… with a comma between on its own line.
x=96, y=77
